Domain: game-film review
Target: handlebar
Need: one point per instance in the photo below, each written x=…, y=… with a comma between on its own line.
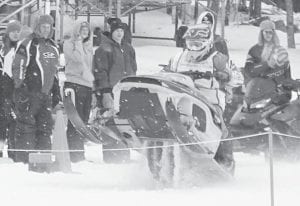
x=198, y=75
x=291, y=84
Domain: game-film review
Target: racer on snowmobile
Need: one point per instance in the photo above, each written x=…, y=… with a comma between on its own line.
x=216, y=85
x=201, y=56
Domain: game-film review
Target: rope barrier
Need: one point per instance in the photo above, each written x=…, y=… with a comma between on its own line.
x=163, y=146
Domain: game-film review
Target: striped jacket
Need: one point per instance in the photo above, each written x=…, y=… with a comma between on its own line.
x=35, y=65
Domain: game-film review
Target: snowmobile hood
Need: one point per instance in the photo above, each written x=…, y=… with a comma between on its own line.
x=169, y=83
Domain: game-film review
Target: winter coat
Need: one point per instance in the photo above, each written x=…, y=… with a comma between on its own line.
x=35, y=65
x=7, y=54
x=127, y=34
x=214, y=62
x=79, y=58
x=256, y=67
x=112, y=62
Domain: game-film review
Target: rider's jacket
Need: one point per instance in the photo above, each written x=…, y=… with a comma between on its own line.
x=215, y=63
x=256, y=67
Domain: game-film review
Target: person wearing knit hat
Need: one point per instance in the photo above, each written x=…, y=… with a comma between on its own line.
x=10, y=44
x=267, y=59
x=267, y=33
x=36, y=89
x=117, y=32
x=113, y=60
x=114, y=20
x=115, y=26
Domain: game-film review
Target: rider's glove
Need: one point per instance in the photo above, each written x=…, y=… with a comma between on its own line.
x=107, y=101
x=221, y=75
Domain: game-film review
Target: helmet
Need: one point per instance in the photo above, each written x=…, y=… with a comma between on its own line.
x=199, y=38
x=206, y=17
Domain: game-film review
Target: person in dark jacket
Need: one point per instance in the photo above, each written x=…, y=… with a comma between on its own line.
x=7, y=52
x=127, y=33
x=113, y=60
x=37, y=91
x=180, y=41
x=267, y=59
x=78, y=52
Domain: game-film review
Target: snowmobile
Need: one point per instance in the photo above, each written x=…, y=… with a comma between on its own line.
x=260, y=113
x=166, y=114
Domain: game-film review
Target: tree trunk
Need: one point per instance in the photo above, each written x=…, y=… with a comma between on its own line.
x=251, y=9
x=228, y=8
x=196, y=10
x=290, y=23
x=215, y=8
x=223, y=15
x=209, y=3
x=257, y=8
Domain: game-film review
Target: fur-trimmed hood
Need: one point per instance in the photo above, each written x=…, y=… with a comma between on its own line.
x=76, y=31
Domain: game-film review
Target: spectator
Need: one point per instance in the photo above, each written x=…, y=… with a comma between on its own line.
x=98, y=37
x=127, y=33
x=37, y=89
x=113, y=60
x=267, y=59
x=7, y=52
x=111, y=20
x=180, y=41
x=78, y=52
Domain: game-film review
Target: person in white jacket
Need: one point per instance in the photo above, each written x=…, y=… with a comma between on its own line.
x=78, y=52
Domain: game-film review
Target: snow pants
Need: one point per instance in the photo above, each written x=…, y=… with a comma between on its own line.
x=83, y=100
x=34, y=122
x=7, y=122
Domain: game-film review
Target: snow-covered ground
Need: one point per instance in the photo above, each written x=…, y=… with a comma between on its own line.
x=95, y=183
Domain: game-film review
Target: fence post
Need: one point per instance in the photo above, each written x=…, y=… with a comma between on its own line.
x=271, y=167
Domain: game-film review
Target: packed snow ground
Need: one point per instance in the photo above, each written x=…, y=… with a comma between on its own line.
x=94, y=183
